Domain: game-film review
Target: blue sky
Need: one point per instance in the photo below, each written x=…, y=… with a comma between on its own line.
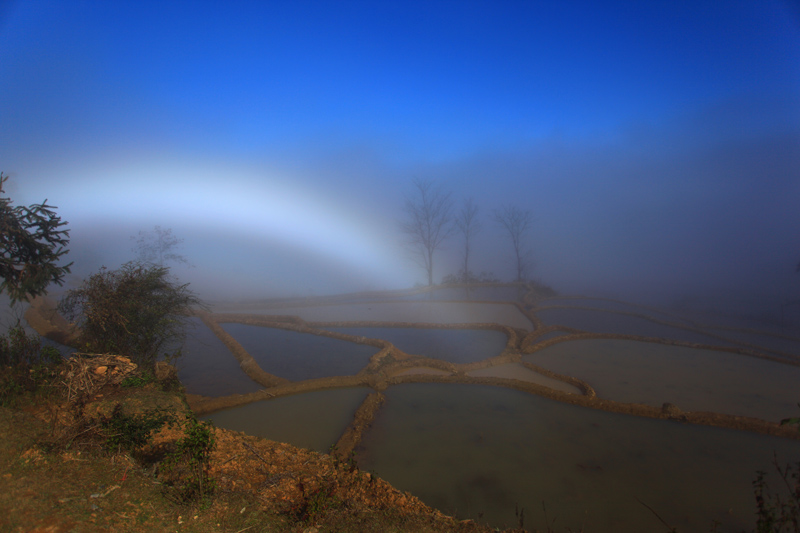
x=656, y=143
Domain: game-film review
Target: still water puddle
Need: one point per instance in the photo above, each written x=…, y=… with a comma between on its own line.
x=516, y=371
x=298, y=356
x=693, y=379
x=207, y=367
x=314, y=420
x=452, y=345
x=478, y=451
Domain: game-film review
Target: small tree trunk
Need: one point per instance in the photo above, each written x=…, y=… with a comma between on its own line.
x=466, y=263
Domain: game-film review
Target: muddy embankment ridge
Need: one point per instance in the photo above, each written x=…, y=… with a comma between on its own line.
x=388, y=362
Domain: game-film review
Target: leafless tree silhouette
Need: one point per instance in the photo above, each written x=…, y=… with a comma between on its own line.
x=467, y=223
x=158, y=247
x=429, y=222
x=517, y=222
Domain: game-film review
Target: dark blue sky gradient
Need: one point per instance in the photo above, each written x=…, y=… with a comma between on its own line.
x=656, y=143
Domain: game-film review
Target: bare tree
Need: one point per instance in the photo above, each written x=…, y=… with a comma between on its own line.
x=467, y=223
x=429, y=212
x=158, y=247
x=517, y=222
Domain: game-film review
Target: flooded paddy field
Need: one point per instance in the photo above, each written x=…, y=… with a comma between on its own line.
x=773, y=342
x=314, y=420
x=208, y=368
x=598, y=321
x=480, y=451
x=500, y=417
x=298, y=356
x=690, y=378
x=453, y=345
x=602, y=304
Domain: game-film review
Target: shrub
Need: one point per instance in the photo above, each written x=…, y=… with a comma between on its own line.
x=795, y=421
x=136, y=311
x=778, y=512
x=314, y=502
x=186, y=468
x=137, y=381
x=26, y=366
x=131, y=432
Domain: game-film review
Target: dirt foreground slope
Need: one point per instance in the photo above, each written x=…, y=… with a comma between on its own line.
x=57, y=475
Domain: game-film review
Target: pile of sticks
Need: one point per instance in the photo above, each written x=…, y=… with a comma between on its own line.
x=86, y=373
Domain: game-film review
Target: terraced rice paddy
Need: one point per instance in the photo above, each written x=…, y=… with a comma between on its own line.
x=591, y=406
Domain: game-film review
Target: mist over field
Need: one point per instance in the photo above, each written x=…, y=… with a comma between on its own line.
x=656, y=147
x=468, y=155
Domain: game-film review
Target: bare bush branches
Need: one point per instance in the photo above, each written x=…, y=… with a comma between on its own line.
x=135, y=311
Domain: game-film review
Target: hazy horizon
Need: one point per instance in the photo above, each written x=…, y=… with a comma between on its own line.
x=657, y=146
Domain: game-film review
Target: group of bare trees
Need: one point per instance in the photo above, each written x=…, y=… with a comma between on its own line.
x=431, y=219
